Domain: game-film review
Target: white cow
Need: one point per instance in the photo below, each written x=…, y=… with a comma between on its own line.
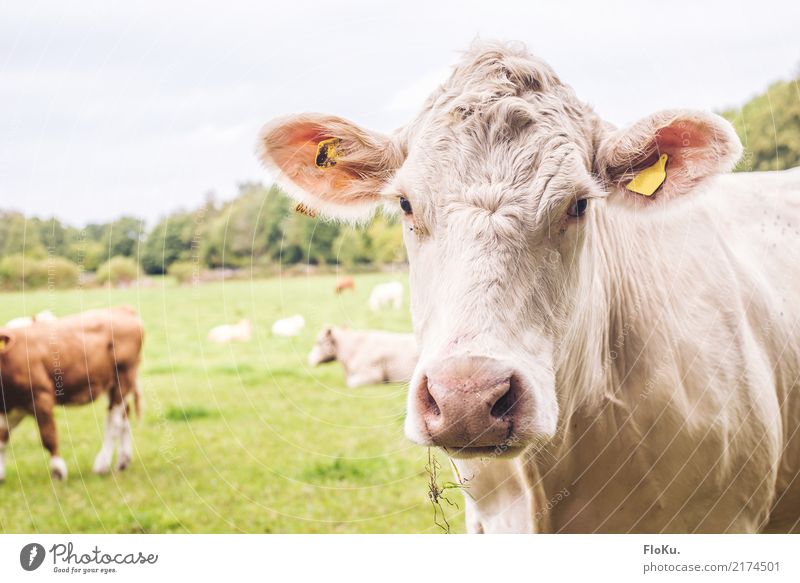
x=609, y=324
x=25, y=321
x=368, y=356
x=239, y=332
x=386, y=295
x=289, y=326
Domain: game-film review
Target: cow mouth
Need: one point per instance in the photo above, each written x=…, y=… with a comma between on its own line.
x=500, y=451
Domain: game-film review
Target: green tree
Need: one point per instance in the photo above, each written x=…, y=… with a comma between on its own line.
x=169, y=241
x=769, y=127
x=118, y=270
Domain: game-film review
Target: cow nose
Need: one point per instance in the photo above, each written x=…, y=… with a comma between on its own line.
x=468, y=401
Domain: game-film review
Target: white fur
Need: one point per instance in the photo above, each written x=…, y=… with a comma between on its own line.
x=496, y=498
x=386, y=295
x=125, y=456
x=45, y=316
x=239, y=332
x=116, y=426
x=58, y=468
x=288, y=327
x=25, y=321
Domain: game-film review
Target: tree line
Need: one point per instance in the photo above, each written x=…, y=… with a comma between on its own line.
x=257, y=230
x=769, y=127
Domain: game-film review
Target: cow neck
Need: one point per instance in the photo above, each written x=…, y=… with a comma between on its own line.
x=617, y=285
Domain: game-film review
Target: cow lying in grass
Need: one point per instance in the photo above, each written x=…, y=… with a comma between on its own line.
x=72, y=361
x=386, y=295
x=242, y=331
x=605, y=308
x=368, y=356
x=23, y=321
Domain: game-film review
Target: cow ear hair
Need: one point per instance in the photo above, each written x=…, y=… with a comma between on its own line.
x=666, y=155
x=329, y=165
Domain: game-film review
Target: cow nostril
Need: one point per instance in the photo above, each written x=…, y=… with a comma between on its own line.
x=432, y=405
x=505, y=403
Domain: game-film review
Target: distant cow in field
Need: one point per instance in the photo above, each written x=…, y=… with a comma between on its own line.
x=288, y=327
x=72, y=361
x=368, y=356
x=23, y=321
x=386, y=295
x=242, y=331
x=607, y=310
x=344, y=283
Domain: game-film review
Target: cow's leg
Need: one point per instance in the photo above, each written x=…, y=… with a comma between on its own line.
x=125, y=441
x=129, y=385
x=43, y=405
x=114, y=428
x=8, y=421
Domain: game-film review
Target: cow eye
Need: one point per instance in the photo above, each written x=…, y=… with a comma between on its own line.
x=578, y=207
x=405, y=205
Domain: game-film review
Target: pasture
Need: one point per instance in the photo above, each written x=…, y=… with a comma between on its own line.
x=241, y=438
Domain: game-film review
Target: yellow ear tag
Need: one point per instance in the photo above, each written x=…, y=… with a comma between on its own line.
x=304, y=210
x=649, y=179
x=327, y=153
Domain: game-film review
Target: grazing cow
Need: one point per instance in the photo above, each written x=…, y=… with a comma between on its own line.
x=604, y=315
x=72, y=361
x=24, y=321
x=344, y=283
x=288, y=327
x=368, y=356
x=239, y=332
x=385, y=295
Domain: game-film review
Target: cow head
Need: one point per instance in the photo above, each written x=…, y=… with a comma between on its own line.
x=324, y=349
x=502, y=182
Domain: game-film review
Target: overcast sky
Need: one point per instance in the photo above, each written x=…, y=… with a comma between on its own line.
x=143, y=107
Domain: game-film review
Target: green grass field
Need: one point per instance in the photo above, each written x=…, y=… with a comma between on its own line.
x=235, y=438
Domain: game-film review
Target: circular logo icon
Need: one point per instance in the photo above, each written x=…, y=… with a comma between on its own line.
x=31, y=556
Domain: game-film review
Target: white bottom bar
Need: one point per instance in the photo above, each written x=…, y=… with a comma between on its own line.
x=372, y=558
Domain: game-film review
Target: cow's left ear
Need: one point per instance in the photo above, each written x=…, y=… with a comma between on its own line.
x=667, y=154
x=329, y=165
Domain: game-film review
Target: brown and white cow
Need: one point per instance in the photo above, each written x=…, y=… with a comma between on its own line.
x=594, y=358
x=344, y=283
x=72, y=361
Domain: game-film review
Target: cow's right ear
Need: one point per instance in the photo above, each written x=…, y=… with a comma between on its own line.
x=667, y=155
x=328, y=164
